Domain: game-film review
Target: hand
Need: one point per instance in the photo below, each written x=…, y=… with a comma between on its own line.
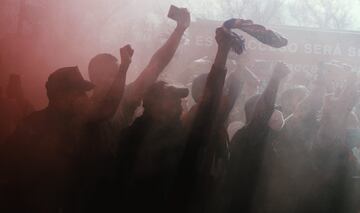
x=126, y=54
x=227, y=39
x=223, y=38
x=184, y=19
x=281, y=70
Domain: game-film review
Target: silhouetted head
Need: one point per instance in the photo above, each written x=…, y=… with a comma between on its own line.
x=14, y=88
x=163, y=102
x=292, y=97
x=198, y=86
x=102, y=70
x=66, y=90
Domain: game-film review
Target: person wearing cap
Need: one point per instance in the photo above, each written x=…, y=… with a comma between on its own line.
x=151, y=148
x=42, y=150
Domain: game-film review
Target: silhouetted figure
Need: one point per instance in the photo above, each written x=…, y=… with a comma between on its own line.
x=102, y=70
x=151, y=148
x=249, y=147
x=43, y=151
x=294, y=162
x=216, y=152
x=106, y=97
x=195, y=183
x=99, y=136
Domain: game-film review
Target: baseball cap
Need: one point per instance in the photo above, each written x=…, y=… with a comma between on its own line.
x=68, y=79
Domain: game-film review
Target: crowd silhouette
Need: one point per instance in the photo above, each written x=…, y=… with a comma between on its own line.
x=293, y=146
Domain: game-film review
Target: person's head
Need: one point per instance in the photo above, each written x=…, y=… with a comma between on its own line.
x=102, y=70
x=291, y=98
x=14, y=88
x=66, y=90
x=163, y=102
x=198, y=86
x=276, y=122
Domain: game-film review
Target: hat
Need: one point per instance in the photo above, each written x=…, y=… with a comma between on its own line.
x=68, y=79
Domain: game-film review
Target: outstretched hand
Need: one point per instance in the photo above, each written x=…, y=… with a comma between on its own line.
x=126, y=54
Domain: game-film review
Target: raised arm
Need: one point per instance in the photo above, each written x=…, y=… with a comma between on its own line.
x=212, y=94
x=157, y=64
x=229, y=100
x=162, y=56
x=106, y=108
x=265, y=105
x=204, y=121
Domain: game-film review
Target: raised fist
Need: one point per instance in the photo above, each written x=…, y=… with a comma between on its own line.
x=126, y=54
x=183, y=19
